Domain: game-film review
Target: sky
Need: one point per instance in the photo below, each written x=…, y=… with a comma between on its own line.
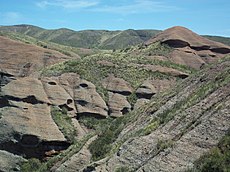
x=206, y=17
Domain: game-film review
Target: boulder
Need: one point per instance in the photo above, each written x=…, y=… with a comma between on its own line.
x=88, y=101
x=118, y=105
x=117, y=85
x=146, y=90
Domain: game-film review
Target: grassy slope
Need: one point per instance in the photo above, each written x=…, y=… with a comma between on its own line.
x=85, y=39
x=224, y=40
x=108, y=142
x=96, y=67
x=67, y=50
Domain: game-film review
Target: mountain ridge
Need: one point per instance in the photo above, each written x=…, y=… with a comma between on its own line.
x=103, y=39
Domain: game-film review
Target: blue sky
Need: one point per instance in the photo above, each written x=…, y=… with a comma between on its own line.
x=202, y=16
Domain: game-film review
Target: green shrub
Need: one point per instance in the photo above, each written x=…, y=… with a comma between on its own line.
x=108, y=132
x=31, y=165
x=217, y=160
x=123, y=169
x=164, y=144
x=64, y=123
x=154, y=124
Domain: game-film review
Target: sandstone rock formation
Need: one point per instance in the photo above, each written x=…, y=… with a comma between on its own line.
x=166, y=132
x=20, y=59
x=118, y=105
x=146, y=90
x=88, y=101
x=191, y=122
x=118, y=90
x=117, y=85
x=189, y=48
x=10, y=162
x=26, y=123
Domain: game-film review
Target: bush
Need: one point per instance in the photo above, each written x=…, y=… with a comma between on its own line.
x=123, y=169
x=107, y=134
x=31, y=165
x=217, y=160
x=64, y=123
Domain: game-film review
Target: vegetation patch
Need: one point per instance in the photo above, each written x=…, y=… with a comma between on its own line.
x=64, y=123
x=121, y=65
x=31, y=165
x=123, y=169
x=154, y=124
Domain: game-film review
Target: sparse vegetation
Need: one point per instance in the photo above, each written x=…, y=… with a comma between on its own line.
x=122, y=65
x=31, y=165
x=164, y=144
x=123, y=169
x=107, y=135
x=64, y=123
x=154, y=124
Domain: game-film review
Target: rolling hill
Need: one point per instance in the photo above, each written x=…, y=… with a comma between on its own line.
x=102, y=39
x=99, y=39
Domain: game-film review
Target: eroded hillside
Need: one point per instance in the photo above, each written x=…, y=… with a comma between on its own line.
x=111, y=111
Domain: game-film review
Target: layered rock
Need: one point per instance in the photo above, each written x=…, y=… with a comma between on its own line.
x=117, y=85
x=26, y=124
x=58, y=95
x=118, y=105
x=146, y=90
x=118, y=90
x=10, y=162
x=189, y=48
x=22, y=59
x=190, y=127
x=88, y=102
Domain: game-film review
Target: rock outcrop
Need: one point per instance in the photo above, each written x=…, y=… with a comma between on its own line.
x=20, y=59
x=146, y=90
x=10, y=162
x=192, y=119
x=88, y=101
x=26, y=124
x=189, y=48
x=166, y=132
x=118, y=90
x=118, y=105
x=117, y=85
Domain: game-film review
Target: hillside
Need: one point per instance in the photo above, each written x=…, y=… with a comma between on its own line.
x=91, y=39
x=224, y=40
x=102, y=39
x=159, y=105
